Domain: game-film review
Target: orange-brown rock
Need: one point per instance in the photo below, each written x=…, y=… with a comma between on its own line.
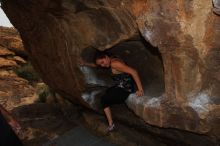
x=11, y=46
x=15, y=91
x=10, y=39
x=5, y=52
x=176, y=53
x=18, y=59
x=4, y=63
x=20, y=96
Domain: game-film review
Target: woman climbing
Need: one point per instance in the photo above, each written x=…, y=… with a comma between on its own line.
x=123, y=77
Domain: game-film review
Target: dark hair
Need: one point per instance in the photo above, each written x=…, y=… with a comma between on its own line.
x=101, y=54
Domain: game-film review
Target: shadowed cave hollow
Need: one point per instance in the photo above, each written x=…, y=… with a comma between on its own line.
x=137, y=53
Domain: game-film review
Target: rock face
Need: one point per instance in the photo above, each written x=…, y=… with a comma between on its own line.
x=21, y=96
x=173, y=44
x=14, y=90
x=11, y=48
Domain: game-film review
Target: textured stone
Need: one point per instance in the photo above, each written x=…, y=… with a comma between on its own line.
x=11, y=46
x=186, y=33
x=10, y=39
x=15, y=91
x=7, y=63
x=45, y=122
x=19, y=60
x=5, y=52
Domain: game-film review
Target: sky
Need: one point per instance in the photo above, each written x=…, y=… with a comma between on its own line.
x=3, y=19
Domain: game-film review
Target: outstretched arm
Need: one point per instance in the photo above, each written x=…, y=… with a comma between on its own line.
x=84, y=63
x=127, y=69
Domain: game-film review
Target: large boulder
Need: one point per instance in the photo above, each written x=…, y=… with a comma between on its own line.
x=173, y=45
x=14, y=90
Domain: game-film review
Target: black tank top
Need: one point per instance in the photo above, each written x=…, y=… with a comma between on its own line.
x=123, y=80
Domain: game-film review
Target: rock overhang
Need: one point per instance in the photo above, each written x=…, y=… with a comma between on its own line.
x=187, y=43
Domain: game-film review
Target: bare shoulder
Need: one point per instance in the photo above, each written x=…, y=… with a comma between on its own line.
x=117, y=62
x=117, y=59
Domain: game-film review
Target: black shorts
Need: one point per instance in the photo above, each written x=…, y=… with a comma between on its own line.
x=114, y=95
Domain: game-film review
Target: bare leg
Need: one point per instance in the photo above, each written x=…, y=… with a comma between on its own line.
x=108, y=114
